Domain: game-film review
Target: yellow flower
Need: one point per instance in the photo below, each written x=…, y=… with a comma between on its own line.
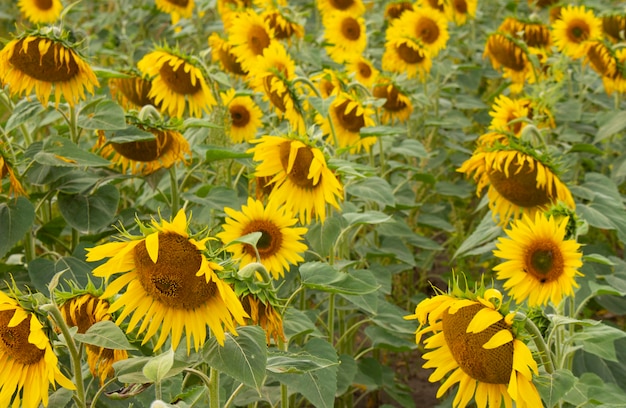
x=249, y=34
x=423, y=25
x=534, y=34
x=509, y=56
x=171, y=286
x=15, y=187
x=397, y=107
x=329, y=82
x=345, y=35
x=283, y=24
x=540, y=263
x=176, y=84
x=614, y=26
x=244, y=116
x=474, y=344
x=574, y=29
x=280, y=244
x=394, y=9
x=508, y=115
x=37, y=11
x=355, y=8
x=363, y=70
x=132, y=91
x=403, y=55
x=460, y=10
x=221, y=50
x=299, y=176
x=176, y=8
x=28, y=364
x=46, y=65
x=265, y=315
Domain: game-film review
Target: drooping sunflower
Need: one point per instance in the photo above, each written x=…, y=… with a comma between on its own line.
x=575, y=28
x=264, y=314
x=280, y=244
x=355, y=8
x=176, y=8
x=329, y=82
x=244, y=117
x=617, y=82
x=348, y=115
x=221, y=51
x=28, y=364
x=162, y=147
x=132, y=91
x=614, y=26
x=403, y=55
x=170, y=285
x=228, y=10
x=249, y=34
x=6, y=170
x=345, y=35
x=474, y=343
x=283, y=23
x=428, y=27
x=508, y=115
x=519, y=182
x=394, y=9
x=46, y=64
x=40, y=12
x=460, y=10
x=541, y=265
x=363, y=70
x=533, y=33
x=299, y=176
x=398, y=105
x=83, y=311
x=177, y=84
x=507, y=54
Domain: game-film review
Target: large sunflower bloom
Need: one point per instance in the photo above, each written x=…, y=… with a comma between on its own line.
x=83, y=311
x=280, y=244
x=345, y=35
x=176, y=84
x=397, y=106
x=244, y=117
x=574, y=29
x=27, y=362
x=170, y=285
x=403, y=55
x=299, y=176
x=363, y=70
x=509, y=56
x=249, y=34
x=221, y=50
x=474, y=342
x=425, y=25
x=540, y=263
x=6, y=169
x=45, y=65
x=38, y=12
x=518, y=182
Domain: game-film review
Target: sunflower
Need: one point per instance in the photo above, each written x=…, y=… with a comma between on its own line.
x=614, y=26
x=397, y=106
x=249, y=34
x=345, y=35
x=329, y=82
x=6, y=169
x=617, y=83
x=533, y=33
x=132, y=91
x=403, y=55
x=221, y=50
x=519, y=183
x=27, y=362
x=475, y=342
x=541, y=265
x=284, y=25
x=460, y=10
x=437, y=5
x=348, y=116
x=170, y=284
x=244, y=116
x=166, y=147
x=176, y=8
x=507, y=54
x=542, y=3
x=602, y=59
x=265, y=315
x=508, y=115
x=38, y=12
x=363, y=70
x=327, y=8
x=280, y=244
x=176, y=83
x=299, y=175
x=42, y=63
x=395, y=9
x=424, y=25
x=574, y=29
x=83, y=311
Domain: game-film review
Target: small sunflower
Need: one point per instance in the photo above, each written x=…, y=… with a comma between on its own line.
x=345, y=35
x=394, y=9
x=436, y=5
x=176, y=8
x=348, y=116
x=83, y=311
x=603, y=59
x=574, y=29
x=166, y=148
x=519, y=183
x=176, y=83
x=617, y=82
x=28, y=364
x=475, y=342
x=299, y=176
x=244, y=116
x=132, y=91
x=47, y=65
x=403, y=55
x=170, y=285
x=541, y=265
x=221, y=50
x=363, y=70
x=542, y=3
x=507, y=54
x=460, y=10
x=284, y=25
x=508, y=115
x=265, y=315
x=329, y=82
x=280, y=244
x=614, y=26
x=355, y=8
x=532, y=33
x=38, y=11
x=249, y=35
x=6, y=170
x=423, y=25
x=397, y=107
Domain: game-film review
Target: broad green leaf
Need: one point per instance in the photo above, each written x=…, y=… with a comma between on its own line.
x=297, y=323
x=24, y=110
x=214, y=153
x=322, y=236
x=103, y=114
x=128, y=134
x=552, y=387
x=386, y=339
x=373, y=189
x=598, y=259
x=381, y=131
x=42, y=271
x=591, y=390
x=158, y=367
x=243, y=357
x=599, y=340
x=105, y=334
x=611, y=125
x=90, y=212
x=586, y=148
x=16, y=218
x=321, y=276
x=346, y=373
x=481, y=238
x=411, y=148
x=132, y=370
x=366, y=217
x=61, y=152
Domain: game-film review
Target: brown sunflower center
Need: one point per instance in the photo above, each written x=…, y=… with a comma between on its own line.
x=14, y=340
x=491, y=366
x=578, y=31
x=172, y=280
x=436, y=4
x=351, y=121
x=145, y=150
x=299, y=174
x=520, y=188
x=276, y=97
x=395, y=10
x=427, y=30
x=179, y=3
x=229, y=61
x=43, y=4
x=409, y=55
x=350, y=29
x=258, y=39
x=506, y=52
x=544, y=261
x=460, y=6
x=341, y=4
x=178, y=80
x=364, y=70
x=393, y=103
x=271, y=238
x=282, y=30
x=48, y=67
x=239, y=115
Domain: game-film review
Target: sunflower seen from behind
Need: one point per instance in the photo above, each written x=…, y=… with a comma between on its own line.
x=243, y=118
x=41, y=12
x=171, y=287
x=28, y=365
x=574, y=29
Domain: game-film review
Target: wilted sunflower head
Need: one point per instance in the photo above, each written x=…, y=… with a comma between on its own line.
x=6, y=170
x=574, y=29
x=41, y=11
x=614, y=26
x=221, y=50
x=46, y=63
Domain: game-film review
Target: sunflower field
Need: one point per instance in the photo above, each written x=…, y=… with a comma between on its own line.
x=312, y=203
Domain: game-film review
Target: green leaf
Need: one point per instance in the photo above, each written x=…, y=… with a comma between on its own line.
x=128, y=134
x=243, y=357
x=613, y=124
x=373, y=189
x=481, y=240
x=346, y=373
x=215, y=153
x=381, y=131
x=322, y=236
x=321, y=276
x=103, y=114
x=599, y=340
x=158, y=367
x=105, y=334
x=366, y=217
x=411, y=148
x=16, y=218
x=586, y=148
x=90, y=212
x=23, y=111
x=385, y=339
x=552, y=387
x=297, y=323
x=61, y=152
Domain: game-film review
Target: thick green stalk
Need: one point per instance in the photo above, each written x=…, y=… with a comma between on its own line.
x=544, y=352
x=214, y=388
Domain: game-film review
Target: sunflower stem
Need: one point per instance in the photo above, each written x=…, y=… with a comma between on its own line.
x=544, y=352
x=73, y=125
x=214, y=388
x=284, y=391
x=175, y=203
x=331, y=318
